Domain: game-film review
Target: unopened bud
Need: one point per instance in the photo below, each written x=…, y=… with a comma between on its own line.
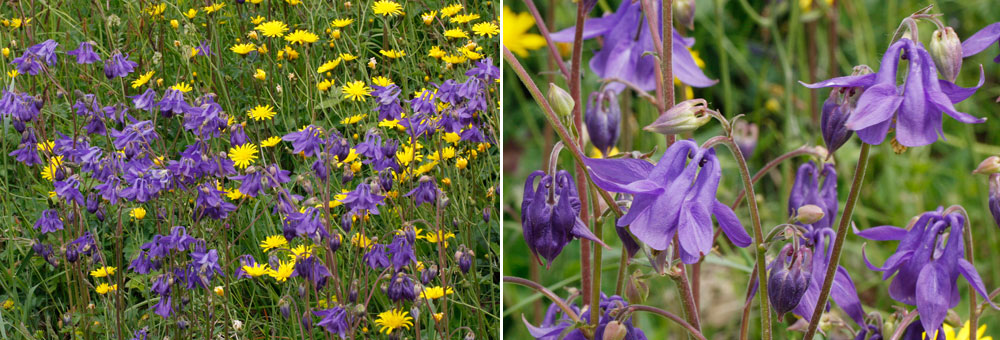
x=990, y=165
x=684, y=12
x=560, y=100
x=809, y=214
x=603, y=118
x=994, y=199
x=946, y=50
x=789, y=278
x=684, y=117
x=745, y=135
x=615, y=331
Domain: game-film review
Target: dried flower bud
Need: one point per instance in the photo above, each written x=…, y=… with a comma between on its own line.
x=686, y=116
x=809, y=214
x=988, y=166
x=560, y=100
x=946, y=50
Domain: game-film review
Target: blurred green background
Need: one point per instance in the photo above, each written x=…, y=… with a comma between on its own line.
x=759, y=57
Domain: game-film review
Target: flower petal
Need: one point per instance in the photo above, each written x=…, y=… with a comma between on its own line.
x=957, y=93
x=981, y=40
x=971, y=275
x=846, y=296
x=618, y=174
x=845, y=81
x=731, y=225
x=541, y=332
x=933, y=290
x=875, y=106
x=882, y=233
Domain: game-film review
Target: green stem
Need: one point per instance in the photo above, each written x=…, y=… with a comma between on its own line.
x=690, y=328
x=838, y=244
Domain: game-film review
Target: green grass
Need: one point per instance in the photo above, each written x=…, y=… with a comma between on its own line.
x=756, y=64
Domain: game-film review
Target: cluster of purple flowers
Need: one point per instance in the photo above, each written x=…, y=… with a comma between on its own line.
x=556, y=322
x=201, y=267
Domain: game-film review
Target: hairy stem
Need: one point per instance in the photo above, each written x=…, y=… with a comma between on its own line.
x=544, y=291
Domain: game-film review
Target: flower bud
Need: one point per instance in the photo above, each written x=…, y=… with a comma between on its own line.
x=995, y=197
x=285, y=308
x=560, y=100
x=988, y=166
x=837, y=108
x=745, y=135
x=614, y=330
x=684, y=117
x=789, y=278
x=603, y=118
x=684, y=12
x=946, y=50
x=809, y=214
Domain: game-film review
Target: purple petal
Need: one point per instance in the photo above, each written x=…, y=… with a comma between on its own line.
x=618, y=174
x=932, y=295
x=594, y=26
x=845, y=81
x=882, y=233
x=876, y=105
x=650, y=228
x=981, y=40
x=874, y=134
x=846, y=296
x=685, y=68
x=541, y=332
x=918, y=120
x=731, y=225
x=580, y=230
x=694, y=231
x=957, y=93
x=970, y=273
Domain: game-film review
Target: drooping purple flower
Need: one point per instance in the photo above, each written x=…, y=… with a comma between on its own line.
x=164, y=308
x=145, y=101
x=28, y=63
x=307, y=223
x=312, y=269
x=44, y=251
x=161, y=286
x=927, y=263
x=27, y=150
x=788, y=278
x=140, y=334
x=807, y=190
x=173, y=103
x=204, y=49
x=309, y=140
x=401, y=249
x=206, y=120
x=485, y=70
x=914, y=109
x=994, y=200
x=210, y=203
x=376, y=257
x=143, y=132
x=676, y=196
x=69, y=190
x=556, y=322
x=424, y=103
x=334, y=320
x=622, y=55
x=603, y=118
x=84, y=53
x=425, y=192
x=119, y=66
x=387, y=98
x=49, y=221
x=982, y=40
x=250, y=184
x=275, y=177
x=142, y=264
x=550, y=214
x=400, y=288
x=362, y=199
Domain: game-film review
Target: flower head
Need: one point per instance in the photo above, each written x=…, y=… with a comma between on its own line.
x=488, y=29
x=334, y=320
x=84, y=53
x=603, y=118
x=387, y=8
x=515, y=32
x=272, y=29
x=258, y=113
x=49, y=222
x=392, y=320
x=356, y=90
x=302, y=37
x=549, y=214
x=118, y=66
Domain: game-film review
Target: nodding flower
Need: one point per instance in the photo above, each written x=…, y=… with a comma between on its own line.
x=550, y=214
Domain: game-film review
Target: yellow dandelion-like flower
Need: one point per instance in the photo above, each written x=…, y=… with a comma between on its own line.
x=213, y=8
x=424, y=168
x=472, y=55
x=461, y=163
x=46, y=145
x=104, y=288
x=103, y=272
x=257, y=20
x=515, y=32
x=439, y=236
x=243, y=155
x=353, y=119
x=301, y=252
x=183, y=87
x=392, y=54
x=464, y=18
x=451, y=10
x=259, y=112
x=191, y=13
x=324, y=85
x=436, y=52
x=293, y=2
x=407, y=154
x=356, y=90
x=12, y=73
x=341, y=23
x=274, y=140
x=272, y=29
x=328, y=66
x=437, y=292
x=273, y=242
x=361, y=241
x=392, y=124
x=8, y=304
x=49, y=171
x=382, y=81
x=243, y=49
x=257, y=269
x=260, y=75
x=348, y=56
x=454, y=59
x=387, y=8
x=428, y=17
x=392, y=320
x=137, y=213
x=155, y=10
x=143, y=79
x=301, y=37
x=486, y=28
x=283, y=272
x=456, y=33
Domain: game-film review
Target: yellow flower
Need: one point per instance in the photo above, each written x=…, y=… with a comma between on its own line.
x=348, y=56
x=49, y=171
x=356, y=90
x=436, y=52
x=143, y=79
x=328, y=66
x=274, y=140
x=387, y=8
x=382, y=81
x=219, y=291
x=8, y=304
x=260, y=75
x=428, y=17
x=515, y=33
x=191, y=12
x=324, y=85
x=272, y=29
x=213, y=8
x=438, y=317
x=6, y=53
x=461, y=163
x=104, y=288
x=353, y=119
x=243, y=49
x=439, y=236
x=259, y=113
x=596, y=153
x=361, y=241
x=233, y=194
x=456, y=33
x=174, y=24
x=243, y=155
x=154, y=10
x=103, y=272
x=435, y=292
x=392, y=54
x=12, y=73
x=283, y=272
x=372, y=62
x=137, y=213
x=472, y=55
x=257, y=20
x=272, y=242
x=486, y=28
x=302, y=37
x=183, y=87
x=293, y=2
x=300, y=252
x=341, y=23
x=392, y=320
x=963, y=334
x=464, y=18
x=451, y=10
x=454, y=59
x=257, y=269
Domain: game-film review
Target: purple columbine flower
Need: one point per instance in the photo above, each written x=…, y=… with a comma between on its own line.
x=603, y=118
x=980, y=41
x=211, y=204
x=400, y=288
x=676, y=196
x=485, y=69
x=376, y=257
x=333, y=320
x=49, y=221
x=28, y=63
x=927, y=264
x=173, y=103
x=789, y=278
x=550, y=214
x=362, y=199
x=807, y=190
x=994, y=199
x=163, y=308
x=119, y=66
x=146, y=100
x=84, y=53
x=914, y=109
x=401, y=249
x=556, y=322
x=69, y=190
x=622, y=54
x=313, y=270
x=309, y=140
x=250, y=183
x=388, y=102
x=27, y=151
x=204, y=49
x=425, y=192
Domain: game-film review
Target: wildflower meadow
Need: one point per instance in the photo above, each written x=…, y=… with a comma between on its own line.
x=258, y=169
x=734, y=169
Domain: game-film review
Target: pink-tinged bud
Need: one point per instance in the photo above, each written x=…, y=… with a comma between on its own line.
x=990, y=165
x=946, y=50
x=684, y=12
x=809, y=214
x=615, y=330
x=560, y=100
x=684, y=117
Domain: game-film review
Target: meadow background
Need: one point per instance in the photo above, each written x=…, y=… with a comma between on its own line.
x=196, y=46
x=759, y=50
